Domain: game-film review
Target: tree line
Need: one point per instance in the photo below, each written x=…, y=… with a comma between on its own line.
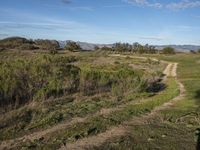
x=137, y=48
x=53, y=46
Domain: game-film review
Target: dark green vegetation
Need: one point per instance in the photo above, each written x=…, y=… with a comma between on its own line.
x=23, y=80
x=168, y=50
x=18, y=43
x=72, y=46
x=53, y=46
x=134, y=48
x=14, y=42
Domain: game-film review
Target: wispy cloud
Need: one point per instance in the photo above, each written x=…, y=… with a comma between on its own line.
x=144, y=3
x=114, y=6
x=66, y=1
x=47, y=25
x=181, y=4
x=184, y=4
x=3, y=35
x=151, y=38
x=84, y=8
x=196, y=16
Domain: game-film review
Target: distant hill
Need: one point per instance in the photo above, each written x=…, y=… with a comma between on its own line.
x=181, y=48
x=91, y=46
x=85, y=45
x=23, y=43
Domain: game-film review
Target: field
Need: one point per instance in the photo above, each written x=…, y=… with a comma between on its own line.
x=99, y=100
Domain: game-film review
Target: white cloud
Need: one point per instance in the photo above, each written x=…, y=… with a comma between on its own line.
x=181, y=4
x=155, y=38
x=84, y=8
x=145, y=3
x=184, y=4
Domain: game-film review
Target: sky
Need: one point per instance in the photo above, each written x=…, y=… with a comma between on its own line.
x=103, y=21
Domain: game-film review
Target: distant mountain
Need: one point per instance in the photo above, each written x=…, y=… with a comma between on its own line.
x=181, y=48
x=85, y=45
x=91, y=46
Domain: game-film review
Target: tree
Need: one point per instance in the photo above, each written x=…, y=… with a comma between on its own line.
x=105, y=48
x=168, y=50
x=96, y=48
x=72, y=46
x=122, y=47
x=192, y=51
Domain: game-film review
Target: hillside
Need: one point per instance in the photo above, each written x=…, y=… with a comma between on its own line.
x=98, y=100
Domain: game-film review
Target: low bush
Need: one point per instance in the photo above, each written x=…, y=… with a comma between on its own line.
x=40, y=78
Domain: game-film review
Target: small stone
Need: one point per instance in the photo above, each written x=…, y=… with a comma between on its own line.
x=150, y=139
x=163, y=136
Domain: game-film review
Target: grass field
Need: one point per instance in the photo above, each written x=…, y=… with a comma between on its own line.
x=113, y=106
x=176, y=127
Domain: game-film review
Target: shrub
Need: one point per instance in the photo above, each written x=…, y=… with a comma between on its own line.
x=24, y=80
x=168, y=50
x=27, y=46
x=72, y=46
x=47, y=44
x=93, y=81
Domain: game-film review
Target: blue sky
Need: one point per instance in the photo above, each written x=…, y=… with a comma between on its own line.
x=103, y=21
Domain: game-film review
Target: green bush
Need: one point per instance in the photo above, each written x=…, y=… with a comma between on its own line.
x=42, y=77
x=168, y=50
x=72, y=46
x=47, y=44
x=119, y=82
x=93, y=81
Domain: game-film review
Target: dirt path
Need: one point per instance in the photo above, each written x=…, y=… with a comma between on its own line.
x=137, y=57
x=98, y=140
x=64, y=125
x=39, y=134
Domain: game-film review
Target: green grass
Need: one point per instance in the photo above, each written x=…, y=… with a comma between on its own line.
x=176, y=127
x=152, y=136
x=130, y=76
x=101, y=123
x=42, y=113
x=50, y=113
